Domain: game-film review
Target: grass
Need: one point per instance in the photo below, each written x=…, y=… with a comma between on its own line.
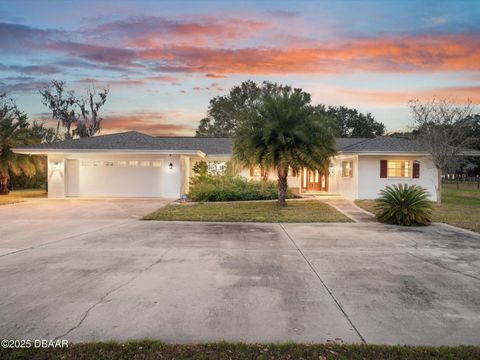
x=147, y=349
x=254, y=211
x=18, y=196
x=460, y=207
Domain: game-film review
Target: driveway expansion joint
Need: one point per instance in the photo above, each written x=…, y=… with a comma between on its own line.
x=324, y=285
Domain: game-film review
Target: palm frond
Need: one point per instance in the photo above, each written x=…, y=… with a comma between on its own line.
x=404, y=204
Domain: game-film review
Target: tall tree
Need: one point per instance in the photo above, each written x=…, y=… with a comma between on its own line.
x=352, y=123
x=283, y=131
x=62, y=103
x=224, y=112
x=15, y=131
x=77, y=116
x=90, y=122
x=443, y=128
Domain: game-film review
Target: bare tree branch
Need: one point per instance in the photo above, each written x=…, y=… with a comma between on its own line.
x=78, y=116
x=442, y=127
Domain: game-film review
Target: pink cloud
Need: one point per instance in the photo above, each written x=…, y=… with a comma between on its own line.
x=155, y=45
x=153, y=31
x=459, y=94
x=154, y=123
x=382, y=54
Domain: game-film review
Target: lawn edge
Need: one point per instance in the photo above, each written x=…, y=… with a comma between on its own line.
x=237, y=350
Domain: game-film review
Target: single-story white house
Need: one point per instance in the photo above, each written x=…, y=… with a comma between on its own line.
x=132, y=164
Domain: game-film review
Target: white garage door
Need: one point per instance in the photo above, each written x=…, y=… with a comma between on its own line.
x=114, y=178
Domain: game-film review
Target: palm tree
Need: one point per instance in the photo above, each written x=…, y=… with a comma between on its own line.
x=284, y=131
x=14, y=132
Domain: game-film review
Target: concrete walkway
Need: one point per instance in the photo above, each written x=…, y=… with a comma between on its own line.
x=351, y=210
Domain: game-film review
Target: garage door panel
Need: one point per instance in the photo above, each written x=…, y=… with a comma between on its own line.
x=118, y=178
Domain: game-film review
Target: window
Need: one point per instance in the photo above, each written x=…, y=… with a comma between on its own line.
x=156, y=163
x=97, y=163
x=347, y=169
x=133, y=163
x=144, y=163
x=86, y=163
x=109, y=163
x=398, y=168
x=122, y=163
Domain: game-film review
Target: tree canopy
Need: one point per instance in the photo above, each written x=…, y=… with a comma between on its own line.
x=16, y=131
x=352, y=123
x=77, y=116
x=225, y=112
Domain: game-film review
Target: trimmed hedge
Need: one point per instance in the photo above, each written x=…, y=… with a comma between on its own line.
x=225, y=188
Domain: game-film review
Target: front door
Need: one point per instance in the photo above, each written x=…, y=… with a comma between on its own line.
x=314, y=180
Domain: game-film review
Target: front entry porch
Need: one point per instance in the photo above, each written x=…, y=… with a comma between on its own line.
x=314, y=181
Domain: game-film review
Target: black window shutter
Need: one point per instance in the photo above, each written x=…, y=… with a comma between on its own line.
x=416, y=170
x=383, y=168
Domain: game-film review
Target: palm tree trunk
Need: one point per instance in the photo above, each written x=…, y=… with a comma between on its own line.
x=4, y=185
x=282, y=186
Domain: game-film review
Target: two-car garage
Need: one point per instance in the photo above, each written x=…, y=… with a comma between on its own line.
x=114, y=178
x=129, y=164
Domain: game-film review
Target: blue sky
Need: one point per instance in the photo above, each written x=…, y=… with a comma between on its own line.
x=164, y=60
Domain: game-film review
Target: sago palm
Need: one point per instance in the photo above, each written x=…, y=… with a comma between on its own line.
x=15, y=132
x=404, y=204
x=283, y=131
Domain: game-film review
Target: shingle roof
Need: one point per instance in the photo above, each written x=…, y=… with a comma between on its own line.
x=384, y=144
x=342, y=143
x=133, y=140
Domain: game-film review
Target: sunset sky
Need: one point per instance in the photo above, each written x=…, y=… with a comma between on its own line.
x=164, y=60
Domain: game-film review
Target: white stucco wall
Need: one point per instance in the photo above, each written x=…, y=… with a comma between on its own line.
x=72, y=177
x=66, y=176
x=347, y=187
x=56, y=176
x=171, y=179
x=370, y=183
x=185, y=176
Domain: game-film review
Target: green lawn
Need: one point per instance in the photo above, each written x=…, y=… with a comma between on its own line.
x=254, y=211
x=156, y=350
x=460, y=207
x=21, y=195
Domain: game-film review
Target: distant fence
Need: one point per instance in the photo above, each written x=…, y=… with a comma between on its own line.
x=462, y=181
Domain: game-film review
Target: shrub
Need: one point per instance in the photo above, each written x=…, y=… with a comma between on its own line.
x=226, y=188
x=404, y=204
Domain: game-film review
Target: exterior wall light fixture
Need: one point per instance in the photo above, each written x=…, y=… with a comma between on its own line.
x=170, y=166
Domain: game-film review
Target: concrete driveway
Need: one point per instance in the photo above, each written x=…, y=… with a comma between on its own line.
x=42, y=221
x=90, y=271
